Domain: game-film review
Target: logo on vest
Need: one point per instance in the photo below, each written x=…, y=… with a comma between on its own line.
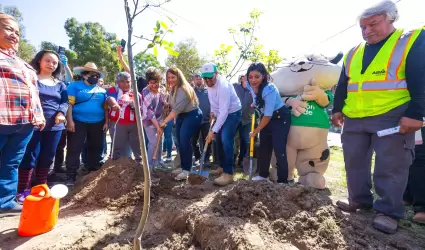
x=379, y=72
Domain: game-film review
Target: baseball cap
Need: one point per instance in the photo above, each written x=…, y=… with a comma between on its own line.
x=208, y=70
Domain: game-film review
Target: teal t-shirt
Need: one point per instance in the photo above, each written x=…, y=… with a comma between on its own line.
x=88, y=102
x=314, y=116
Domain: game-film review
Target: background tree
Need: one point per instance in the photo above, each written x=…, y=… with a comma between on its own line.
x=26, y=51
x=144, y=60
x=246, y=47
x=92, y=43
x=71, y=55
x=188, y=60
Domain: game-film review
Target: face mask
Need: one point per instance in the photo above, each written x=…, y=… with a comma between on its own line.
x=92, y=80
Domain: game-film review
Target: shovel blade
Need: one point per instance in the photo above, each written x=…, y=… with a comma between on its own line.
x=195, y=179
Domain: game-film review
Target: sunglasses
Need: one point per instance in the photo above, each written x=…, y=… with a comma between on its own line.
x=207, y=78
x=94, y=75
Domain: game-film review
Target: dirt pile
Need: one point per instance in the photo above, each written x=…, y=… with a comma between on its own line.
x=118, y=184
x=103, y=211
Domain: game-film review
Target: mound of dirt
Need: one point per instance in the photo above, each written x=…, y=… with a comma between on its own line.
x=103, y=211
x=118, y=184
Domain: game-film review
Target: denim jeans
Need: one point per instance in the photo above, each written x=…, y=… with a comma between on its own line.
x=199, y=138
x=168, y=139
x=85, y=152
x=186, y=125
x=93, y=133
x=41, y=149
x=12, y=148
x=244, y=140
x=225, y=139
x=273, y=137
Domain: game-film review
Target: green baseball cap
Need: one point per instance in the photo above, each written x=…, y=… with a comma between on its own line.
x=208, y=70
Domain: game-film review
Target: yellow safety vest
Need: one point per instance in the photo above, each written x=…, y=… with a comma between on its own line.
x=383, y=85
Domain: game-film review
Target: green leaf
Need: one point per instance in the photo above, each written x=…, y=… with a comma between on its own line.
x=165, y=26
x=158, y=25
x=155, y=29
x=170, y=31
x=151, y=45
x=155, y=51
x=171, y=44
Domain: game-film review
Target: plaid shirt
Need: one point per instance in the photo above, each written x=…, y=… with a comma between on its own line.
x=19, y=100
x=152, y=106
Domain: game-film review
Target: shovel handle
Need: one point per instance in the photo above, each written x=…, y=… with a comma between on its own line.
x=158, y=140
x=251, y=142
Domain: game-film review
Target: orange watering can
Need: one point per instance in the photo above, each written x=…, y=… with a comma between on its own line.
x=40, y=210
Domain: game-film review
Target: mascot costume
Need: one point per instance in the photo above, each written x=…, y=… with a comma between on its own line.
x=305, y=86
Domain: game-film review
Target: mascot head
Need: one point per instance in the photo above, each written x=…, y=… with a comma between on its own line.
x=296, y=73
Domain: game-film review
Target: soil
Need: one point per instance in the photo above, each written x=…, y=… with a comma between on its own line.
x=104, y=208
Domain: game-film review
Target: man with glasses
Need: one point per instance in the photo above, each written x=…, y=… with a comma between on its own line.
x=226, y=107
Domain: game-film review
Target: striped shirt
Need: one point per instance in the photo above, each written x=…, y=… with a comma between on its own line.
x=19, y=100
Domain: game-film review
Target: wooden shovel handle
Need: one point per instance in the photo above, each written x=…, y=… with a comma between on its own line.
x=158, y=140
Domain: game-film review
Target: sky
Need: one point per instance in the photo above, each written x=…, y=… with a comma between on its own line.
x=292, y=27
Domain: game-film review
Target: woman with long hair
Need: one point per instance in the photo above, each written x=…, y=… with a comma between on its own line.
x=185, y=109
x=41, y=149
x=274, y=124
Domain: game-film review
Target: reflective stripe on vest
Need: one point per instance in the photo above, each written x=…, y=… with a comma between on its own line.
x=382, y=86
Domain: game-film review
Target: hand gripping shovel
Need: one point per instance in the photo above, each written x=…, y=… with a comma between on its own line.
x=199, y=178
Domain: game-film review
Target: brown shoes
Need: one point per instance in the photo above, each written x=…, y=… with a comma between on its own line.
x=419, y=218
x=350, y=206
x=218, y=171
x=224, y=180
x=385, y=223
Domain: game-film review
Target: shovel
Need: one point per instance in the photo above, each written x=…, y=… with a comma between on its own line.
x=199, y=178
x=251, y=147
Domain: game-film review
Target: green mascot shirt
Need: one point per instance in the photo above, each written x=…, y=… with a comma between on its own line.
x=314, y=116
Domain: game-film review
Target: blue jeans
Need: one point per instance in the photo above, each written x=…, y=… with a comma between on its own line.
x=168, y=139
x=41, y=149
x=244, y=140
x=12, y=148
x=186, y=125
x=225, y=139
x=104, y=152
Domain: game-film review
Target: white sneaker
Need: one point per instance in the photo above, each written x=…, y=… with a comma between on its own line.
x=177, y=171
x=182, y=176
x=259, y=178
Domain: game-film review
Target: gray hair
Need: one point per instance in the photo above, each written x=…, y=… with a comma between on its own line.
x=122, y=76
x=385, y=7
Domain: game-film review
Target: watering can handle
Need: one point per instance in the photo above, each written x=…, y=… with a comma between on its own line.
x=35, y=191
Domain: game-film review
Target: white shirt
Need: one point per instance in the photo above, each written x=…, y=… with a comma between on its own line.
x=223, y=101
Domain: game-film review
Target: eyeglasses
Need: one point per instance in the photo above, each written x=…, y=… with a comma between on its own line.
x=94, y=75
x=207, y=78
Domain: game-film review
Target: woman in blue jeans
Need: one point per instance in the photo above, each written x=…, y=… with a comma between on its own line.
x=21, y=111
x=185, y=108
x=41, y=149
x=274, y=124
